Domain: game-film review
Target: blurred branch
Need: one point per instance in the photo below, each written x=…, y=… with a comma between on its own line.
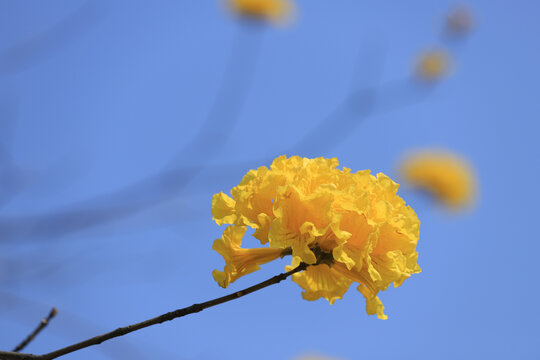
x=12, y=177
x=230, y=98
x=18, y=57
x=358, y=105
x=21, y=55
x=71, y=326
x=171, y=182
x=158, y=188
x=42, y=324
x=195, y=308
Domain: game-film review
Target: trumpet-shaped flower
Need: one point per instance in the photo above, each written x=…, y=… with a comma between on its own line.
x=349, y=227
x=275, y=10
x=239, y=261
x=448, y=177
x=432, y=65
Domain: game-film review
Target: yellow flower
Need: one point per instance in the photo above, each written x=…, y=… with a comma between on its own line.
x=445, y=175
x=350, y=227
x=432, y=65
x=275, y=10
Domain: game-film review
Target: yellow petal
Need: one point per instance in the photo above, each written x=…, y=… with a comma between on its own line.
x=255, y=196
x=281, y=238
x=263, y=228
x=223, y=211
x=356, y=246
x=374, y=305
x=300, y=220
x=367, y=287
x=239, y=261
x=321, y=281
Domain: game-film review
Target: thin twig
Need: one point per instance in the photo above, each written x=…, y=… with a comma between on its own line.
x=37, y=330
x=195, y=308
x=73, y=326
x=155, y=189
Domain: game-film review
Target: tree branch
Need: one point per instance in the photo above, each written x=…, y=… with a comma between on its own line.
x=36, y=331
x=5, y=355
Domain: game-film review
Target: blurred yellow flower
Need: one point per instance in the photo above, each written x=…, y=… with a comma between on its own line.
x=432, y=65
x=445, y=175
x=275, y=10
x=350, y=227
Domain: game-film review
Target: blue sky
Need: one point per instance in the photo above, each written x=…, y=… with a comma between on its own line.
x=119, y=120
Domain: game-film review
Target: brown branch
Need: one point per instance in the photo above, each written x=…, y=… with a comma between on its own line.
x=7, y=355
x=36, y=331
x=195, y=308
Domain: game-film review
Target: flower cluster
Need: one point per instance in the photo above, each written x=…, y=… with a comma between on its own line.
x=447, y=176
x=350, y=227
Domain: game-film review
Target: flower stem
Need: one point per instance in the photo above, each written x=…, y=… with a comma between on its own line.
x=5, y=355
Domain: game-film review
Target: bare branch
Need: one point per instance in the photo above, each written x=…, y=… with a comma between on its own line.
x=42, y=324
x=195, y=308
x=7, y=355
